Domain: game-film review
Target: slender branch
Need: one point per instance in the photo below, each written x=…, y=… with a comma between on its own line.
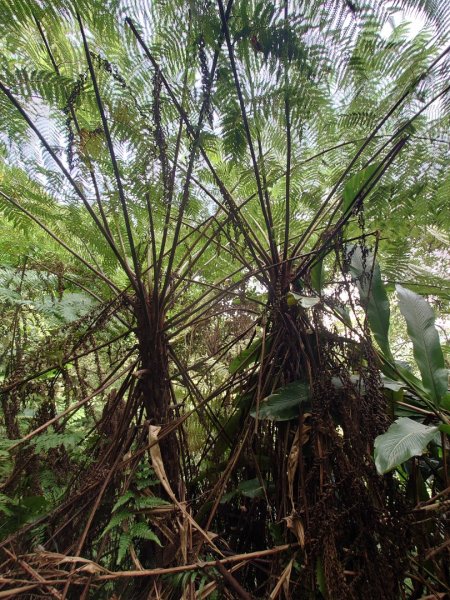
x=287, y=116
x=225, y=193
x=369, y=138
x=75, y=120
x=62, y=168
x=134, y=278
x=359, y=197
x=193, y=151
x=235, y=214
x=409, y=121
x=264, y=208
x=152, y=232
x=158, y=266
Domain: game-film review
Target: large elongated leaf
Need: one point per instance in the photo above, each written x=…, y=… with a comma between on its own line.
x=250, y=488
x=419, y=318
x=245, y=358
x=304, y=301
x=248, y=356
x=404, y=438
x=355, y=184
x=283, y=405
x=317, y=276
x=373, y=296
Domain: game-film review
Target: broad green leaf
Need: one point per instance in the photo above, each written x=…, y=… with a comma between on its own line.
x=355, y=184
x=317, y=276
x=48, y=375
x=408, y=376
x=419, y=318
x=373, y=296
x=251, y=488
x=344, y=314
x=445, y=402
x=248, y=356
x=444, y=428
x=34, y=504
x=320, y=578
x=394, y=408
x=305, y=301
x=404, y=438
x=309, y=301
x=283, y=405
x=391, y=384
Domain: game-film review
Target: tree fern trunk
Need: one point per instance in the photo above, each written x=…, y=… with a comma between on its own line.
x=154, y=389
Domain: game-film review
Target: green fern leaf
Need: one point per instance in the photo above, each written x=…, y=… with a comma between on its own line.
x=124, y=543
x=142, y=502
x=143, y=532
x=123, y=500
x=117, y=520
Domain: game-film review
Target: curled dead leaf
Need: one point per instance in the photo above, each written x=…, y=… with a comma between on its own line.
x=293, y=522
x=91, y=568
x=300, y=438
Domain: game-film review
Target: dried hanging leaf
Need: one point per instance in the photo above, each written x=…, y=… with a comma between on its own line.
x=303, y=431
x=158, y=466
x=283, y=582
x=91, y=568
x=157, y=460
x=293, y=522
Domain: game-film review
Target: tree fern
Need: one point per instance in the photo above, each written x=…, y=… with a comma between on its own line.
x=181, y=181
